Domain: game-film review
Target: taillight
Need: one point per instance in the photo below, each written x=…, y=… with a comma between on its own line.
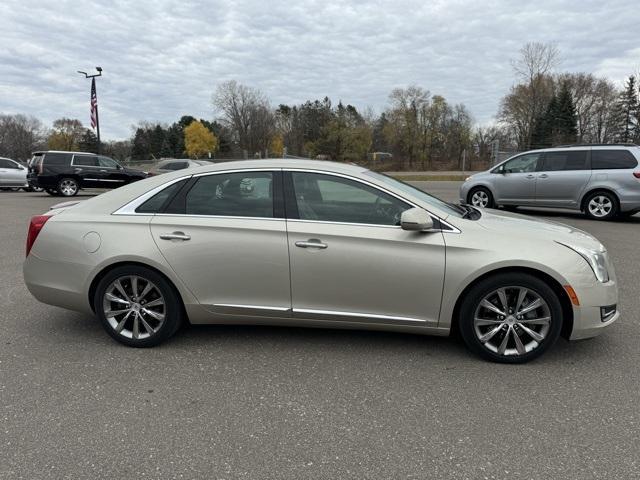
x=35, y=226
x=636, y=174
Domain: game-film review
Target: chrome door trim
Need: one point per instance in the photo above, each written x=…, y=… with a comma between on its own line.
x=358, y=315
x=253, y=307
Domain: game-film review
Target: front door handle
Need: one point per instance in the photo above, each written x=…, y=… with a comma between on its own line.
x=544, y=175
x=531, y=176
x=312, y=243
x=175, y=236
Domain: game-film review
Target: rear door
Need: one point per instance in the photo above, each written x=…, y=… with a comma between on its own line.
x=514, y=182
x=563, y=177
x=86, y=168
x=225, y=236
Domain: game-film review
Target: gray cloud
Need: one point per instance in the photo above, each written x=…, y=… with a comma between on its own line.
x=163, y=59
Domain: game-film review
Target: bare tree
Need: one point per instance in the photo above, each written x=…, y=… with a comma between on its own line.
x=246, y=112
x=20, y=135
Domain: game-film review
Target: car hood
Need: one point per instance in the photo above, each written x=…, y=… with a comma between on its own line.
x=536, y=230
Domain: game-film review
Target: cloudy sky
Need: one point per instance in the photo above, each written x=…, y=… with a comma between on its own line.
x=163, y=59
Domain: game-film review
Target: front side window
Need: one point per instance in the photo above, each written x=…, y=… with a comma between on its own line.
x=107, y=162
x=612, y=159
x=5, y=163
x=330, y=198
x=85, y=160
x=240, y=194
x=522, y=164
x=568, y=160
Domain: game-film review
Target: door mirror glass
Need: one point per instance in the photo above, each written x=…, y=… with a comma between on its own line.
x=416, y=219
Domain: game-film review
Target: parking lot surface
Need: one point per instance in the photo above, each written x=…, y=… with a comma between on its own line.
x=277, y=403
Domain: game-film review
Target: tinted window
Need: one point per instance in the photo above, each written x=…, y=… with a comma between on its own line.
x=4, y=163
x=107, y=162
x=242, y=194
x=569, y=160
x=522, y=164
x=85, y=160
x=157, y=202
x=57, y=158
x=603, y=159
x=336, y=199
x=176, y=165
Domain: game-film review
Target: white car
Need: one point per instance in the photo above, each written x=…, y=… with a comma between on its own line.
x=319, y=244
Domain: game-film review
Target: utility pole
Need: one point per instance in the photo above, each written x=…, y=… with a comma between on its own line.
x=94, y=102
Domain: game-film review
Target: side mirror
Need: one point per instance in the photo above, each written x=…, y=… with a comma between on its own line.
x=416, y=219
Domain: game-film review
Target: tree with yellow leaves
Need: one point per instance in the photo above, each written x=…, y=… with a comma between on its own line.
x=276, y=146
x=199, y=140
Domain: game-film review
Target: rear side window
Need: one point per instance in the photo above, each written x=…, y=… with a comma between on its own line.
x=157, y=203
x=241, y=194
x=4, y=163
x=612, y=159
x=85, y=160
x=57, y=159
x=568, y=160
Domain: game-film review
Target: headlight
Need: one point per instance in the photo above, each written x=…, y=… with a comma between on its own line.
x=597, y=260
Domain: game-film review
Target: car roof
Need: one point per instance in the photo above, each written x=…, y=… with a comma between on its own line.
x=269, y=163
x=40, y=152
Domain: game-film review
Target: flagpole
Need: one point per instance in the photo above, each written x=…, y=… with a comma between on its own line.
x=94, y=89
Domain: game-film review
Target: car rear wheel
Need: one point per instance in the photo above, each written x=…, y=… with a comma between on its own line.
x=481, y=197
x=137, y=306
x=510, y=318
x=601, y=206
x=68, y=187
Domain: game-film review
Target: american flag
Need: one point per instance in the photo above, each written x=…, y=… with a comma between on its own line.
x=94, y=104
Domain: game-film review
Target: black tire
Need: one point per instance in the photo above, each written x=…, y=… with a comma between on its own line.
x=478, y=193
x=605, y=205
x=172, y=307
x=471, y=306
x=68, y=187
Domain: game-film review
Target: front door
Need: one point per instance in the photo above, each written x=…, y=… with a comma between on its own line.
x=11, y=173
x=351, y=261
x=515, y=180
x=562, y=178
x=111, y=174
x=228, y=243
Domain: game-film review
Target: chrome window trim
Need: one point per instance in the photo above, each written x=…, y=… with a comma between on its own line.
x=129, y=208
x=376, y=187
x=357, y=315
x=104, y=180
x=194, y=215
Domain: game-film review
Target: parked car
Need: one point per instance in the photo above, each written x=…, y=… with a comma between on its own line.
x=173, y=164
x=65, y=173
x=600, y=180
x=13, y=175
x=320, y=244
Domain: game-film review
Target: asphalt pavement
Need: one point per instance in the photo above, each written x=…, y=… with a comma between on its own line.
x=283, y=403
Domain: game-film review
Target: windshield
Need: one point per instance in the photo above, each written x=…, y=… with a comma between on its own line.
x=454, y=210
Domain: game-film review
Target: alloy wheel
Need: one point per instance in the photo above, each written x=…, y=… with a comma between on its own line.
x=600, y=206
x=68, y=187
x=134, y=307
x=480, y=198
x=512, y=321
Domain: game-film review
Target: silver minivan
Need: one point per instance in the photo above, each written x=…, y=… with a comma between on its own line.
x=600, y=180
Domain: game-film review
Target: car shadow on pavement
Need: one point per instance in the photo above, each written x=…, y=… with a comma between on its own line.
x=635, y=219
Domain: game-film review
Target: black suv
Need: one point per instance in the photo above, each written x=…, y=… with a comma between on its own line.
x=64, y=173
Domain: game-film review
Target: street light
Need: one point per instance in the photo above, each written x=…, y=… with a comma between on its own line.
x=95, y=122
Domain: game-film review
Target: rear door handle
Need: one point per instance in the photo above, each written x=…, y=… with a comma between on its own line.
x=312, y=243
x=175, y=236
x=531, y=176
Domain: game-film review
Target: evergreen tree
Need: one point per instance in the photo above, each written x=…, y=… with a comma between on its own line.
x=140, y=146
x=542, y=135
x=88, y=142
x=565, y=122
x=628, y=112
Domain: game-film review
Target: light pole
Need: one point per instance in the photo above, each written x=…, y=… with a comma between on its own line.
x=95, y=120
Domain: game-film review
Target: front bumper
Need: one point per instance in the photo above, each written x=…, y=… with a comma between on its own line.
x=588, y=318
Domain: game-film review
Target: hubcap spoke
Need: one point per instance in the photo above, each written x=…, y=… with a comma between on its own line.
x=120, y=288
x=154, y=303
x=490, y=334
x=503, y=345
x=151, y=313
x=136, y=326
x=111, y=297
x=522, y=293
x=502, y=295
x=530, y=307
x=120, y=325
x=490, y=306
x=134, y=287
x=535, y=321
x=113, y=313
x=535, y=335
x=147, y=327
x=519, y=346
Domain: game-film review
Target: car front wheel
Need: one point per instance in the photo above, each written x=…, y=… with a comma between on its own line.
x=510, y=318
x=137, y=306
x=481, y=197
x=68, y=187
